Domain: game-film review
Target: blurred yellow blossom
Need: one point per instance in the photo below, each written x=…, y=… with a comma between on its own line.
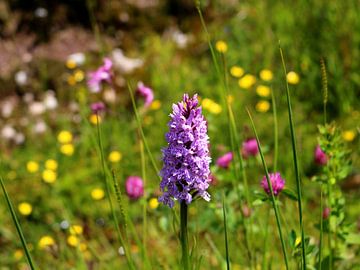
x=67, y=149
x=64, y=137
x=236, y=71
x=25, y=208
x=348, y=135
x=95, y=119
x=70, y=64
x=71, y=80
x=263, y=90
x=49, y=176
x=262, y=106
x=153, y=203
x=266, y=75
x=230, y=99
x=76, y=229
x=72, y=240
x=97, y=194
x=297, y=241
x=18, y=254
x=46, y=241
x=51, y=164
x=148, y=120
x=32, y=166
x=221, y=46
x=292, y=77
x=247, y=81
x=83, y=247
x=155, y=105
x=211, y=106
x=79, y=75
x=114, y=156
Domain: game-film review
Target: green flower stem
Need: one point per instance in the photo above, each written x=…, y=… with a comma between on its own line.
x=296, y=166
x=108, y=194
x=273, y=200
x=184, y=235
x=321, y=226
x=17, y=225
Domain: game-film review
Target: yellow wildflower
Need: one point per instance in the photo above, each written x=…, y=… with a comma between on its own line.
x=155, y=105
x=153, y=203
x=46, y=241
x=25, y=208
x=297, y=241
x=65, y=137
x=221, y=46
x=18, y=254
x=115, y=156
x=51, y=164
x=266, y=75
x=32, y=166
x=292, y=77
x=71, y=80
x=70, y=64
x=236, y=71
x=247, y=81
x=95, y=119
x=83, y=247
x=73, y=240
x=263, y=90
x=262, y=106
x=76, y=229
x=49, y=176
x=67, y=149
x=348, y=135
x=230, y=99
x=148, y=120
x=97, y=194
x=211, y=106
x=79, y=75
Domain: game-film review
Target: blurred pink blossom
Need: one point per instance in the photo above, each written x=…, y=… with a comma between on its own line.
x=102, y=74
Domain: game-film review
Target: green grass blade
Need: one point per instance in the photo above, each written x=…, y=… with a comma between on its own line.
x=17, y=225
x=226, y=236
x=108, y=194
x=276, y=131
x=321, y=226
x=276, y=210
x=138, y=120
x=296, y=166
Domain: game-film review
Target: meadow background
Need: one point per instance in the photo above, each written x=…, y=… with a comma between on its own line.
x=51, y=162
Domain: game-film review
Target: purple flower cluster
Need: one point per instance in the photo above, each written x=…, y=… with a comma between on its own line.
x=97, y=107
x=146, y=92
x=320, y=156
x=225, y=160
x=186, y=171
x=134, y=187
x=250, y=148
x=277, y=183
x=103, y=73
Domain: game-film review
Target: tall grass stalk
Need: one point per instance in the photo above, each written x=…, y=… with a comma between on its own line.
x=276, y=131
x=226, y=235
x=324, y=85
x=143, y=176
x=184, y=235
x=108, y=194
x=138, y=120
x=17, y=225
x=296, y=166
x=273, y=200
x=239, y=172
